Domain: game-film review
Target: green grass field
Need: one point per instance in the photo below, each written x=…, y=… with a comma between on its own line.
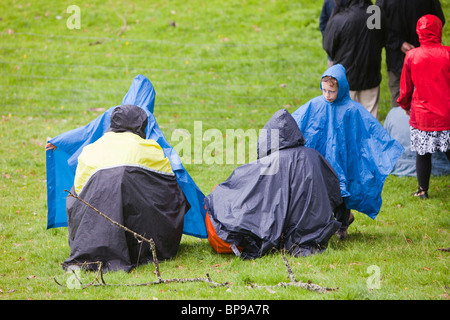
x=230, y=65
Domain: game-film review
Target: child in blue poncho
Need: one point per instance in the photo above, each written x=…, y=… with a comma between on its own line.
x=357, y=146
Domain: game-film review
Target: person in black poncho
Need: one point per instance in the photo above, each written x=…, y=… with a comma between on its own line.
x=283, y=200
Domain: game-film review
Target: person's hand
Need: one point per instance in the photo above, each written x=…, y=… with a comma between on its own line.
x=50, y=146
x=408, y=112
x=406, y=46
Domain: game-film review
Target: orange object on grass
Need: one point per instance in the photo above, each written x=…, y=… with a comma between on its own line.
x=218, y=244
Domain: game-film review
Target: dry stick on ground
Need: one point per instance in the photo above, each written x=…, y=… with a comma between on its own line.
x=124, y=27
x=99, y=273
x=150, y=241
x=153, y=248
x=309, y=286
x=294, y=283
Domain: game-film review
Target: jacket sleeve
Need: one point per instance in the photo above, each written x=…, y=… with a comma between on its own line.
x=325, y=14
x=330, y=41
x=406, y=84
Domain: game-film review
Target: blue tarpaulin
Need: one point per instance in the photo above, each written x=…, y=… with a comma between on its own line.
x=357, y=146
x=397, y=125
x=62, y=162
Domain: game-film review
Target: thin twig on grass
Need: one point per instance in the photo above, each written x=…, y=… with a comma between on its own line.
x=136, y=235
x=294, y=283
x=97, y=283
x=124, y=20
x=308, y=286
x=155, y=259
x=99, y=273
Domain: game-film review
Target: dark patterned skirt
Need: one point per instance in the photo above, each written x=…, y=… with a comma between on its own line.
x=429, y=141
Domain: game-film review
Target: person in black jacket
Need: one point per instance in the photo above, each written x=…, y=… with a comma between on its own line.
x=402, y=16
x=348, y=40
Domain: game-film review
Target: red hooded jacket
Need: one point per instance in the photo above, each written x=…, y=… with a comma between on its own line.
x=425, y=80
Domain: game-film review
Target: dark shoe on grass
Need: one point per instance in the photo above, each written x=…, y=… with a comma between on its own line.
x=351, y=218
x=342, y=234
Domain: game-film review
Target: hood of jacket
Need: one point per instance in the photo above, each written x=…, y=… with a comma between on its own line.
x=338, y=72
x=129, y=118
x=280, y=132
x=361, y=3
x=141, y=94
x=429, y=29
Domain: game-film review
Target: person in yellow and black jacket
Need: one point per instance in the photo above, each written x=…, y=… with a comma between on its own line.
x=129, y=179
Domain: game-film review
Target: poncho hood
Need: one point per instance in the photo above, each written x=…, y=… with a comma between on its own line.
x=338, y=72
x=280, y=132
x=129, y=118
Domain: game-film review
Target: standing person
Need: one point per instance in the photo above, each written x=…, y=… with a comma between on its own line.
x=356, y=145
x=329, y=8
x=402, y=17
x=349, y=41
x=424, y=94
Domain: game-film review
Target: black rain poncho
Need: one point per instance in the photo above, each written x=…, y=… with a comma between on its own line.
x=129, y=179
x=284, y=199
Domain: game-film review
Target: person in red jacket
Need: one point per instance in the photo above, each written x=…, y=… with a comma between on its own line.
x=425, y=96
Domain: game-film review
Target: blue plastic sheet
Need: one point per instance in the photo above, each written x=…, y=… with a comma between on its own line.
x=357, y=146
x=62, y=162
x=397, y=125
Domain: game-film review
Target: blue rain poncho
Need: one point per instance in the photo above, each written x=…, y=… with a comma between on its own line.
x=62, y=162
x=357, y=146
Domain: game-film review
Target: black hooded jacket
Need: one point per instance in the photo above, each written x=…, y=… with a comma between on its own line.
x=349, y=41
x=285, y=199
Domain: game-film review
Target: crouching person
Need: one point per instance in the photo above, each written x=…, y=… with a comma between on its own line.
x=283, y=200
x=127, y=178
